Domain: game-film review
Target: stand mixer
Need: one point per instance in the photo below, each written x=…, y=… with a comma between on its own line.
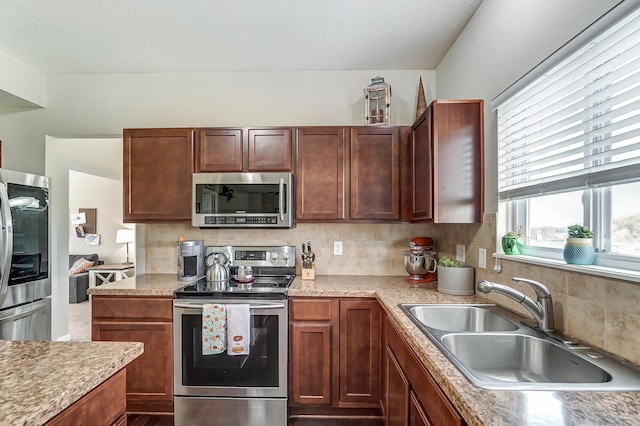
x=420, y=261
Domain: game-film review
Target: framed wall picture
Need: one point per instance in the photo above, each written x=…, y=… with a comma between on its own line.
x=90, y=225
x=92, y=239
x=80, y=231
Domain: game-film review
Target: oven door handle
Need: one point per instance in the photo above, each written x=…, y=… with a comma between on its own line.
x=199, y=306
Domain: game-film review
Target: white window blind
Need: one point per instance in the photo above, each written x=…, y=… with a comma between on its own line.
x=578, y=125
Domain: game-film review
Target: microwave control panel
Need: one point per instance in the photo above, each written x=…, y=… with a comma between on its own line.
x=240, y=220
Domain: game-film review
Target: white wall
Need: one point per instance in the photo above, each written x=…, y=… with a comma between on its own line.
x=22, y=80
x=105, y=195
x=106, y=103
x=22, y=134
x=102, y=157
x=87, y=105
x=503, y=41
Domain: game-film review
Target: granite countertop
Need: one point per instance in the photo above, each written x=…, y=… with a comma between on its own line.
x=38, y=380
x=477, y=406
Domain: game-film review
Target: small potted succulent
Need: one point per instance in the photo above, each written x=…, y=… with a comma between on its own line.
x=454, y=277
x=513, y=241
x=578, y=249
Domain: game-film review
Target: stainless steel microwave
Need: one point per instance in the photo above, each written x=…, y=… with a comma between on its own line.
x=242, y=200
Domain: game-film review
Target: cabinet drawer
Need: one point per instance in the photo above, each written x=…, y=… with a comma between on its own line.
x=105, y=308
x=310, y=309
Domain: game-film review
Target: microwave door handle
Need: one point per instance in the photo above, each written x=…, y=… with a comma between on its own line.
x=281, y=199
x=6, y=241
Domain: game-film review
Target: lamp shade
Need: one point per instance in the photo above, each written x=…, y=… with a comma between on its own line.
x=125, y=235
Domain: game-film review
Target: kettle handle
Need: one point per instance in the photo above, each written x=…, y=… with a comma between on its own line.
x=214, y=257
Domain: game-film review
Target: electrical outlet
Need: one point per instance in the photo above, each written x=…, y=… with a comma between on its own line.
x=482, y=258
x=460, y=253
x=337, y=248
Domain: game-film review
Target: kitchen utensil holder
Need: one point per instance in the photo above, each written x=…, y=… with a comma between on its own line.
x=309, y=273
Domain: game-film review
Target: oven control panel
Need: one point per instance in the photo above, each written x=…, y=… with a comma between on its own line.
x=271, y=256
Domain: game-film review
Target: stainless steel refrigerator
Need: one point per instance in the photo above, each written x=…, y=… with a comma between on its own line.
x=25, y=276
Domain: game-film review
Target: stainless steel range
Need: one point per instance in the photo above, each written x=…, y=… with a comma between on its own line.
x=223, y=389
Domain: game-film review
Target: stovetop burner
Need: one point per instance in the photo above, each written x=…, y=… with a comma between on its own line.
x=273, y=268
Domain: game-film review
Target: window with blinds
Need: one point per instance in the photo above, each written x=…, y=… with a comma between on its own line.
x=578, y=125
x=569, y=142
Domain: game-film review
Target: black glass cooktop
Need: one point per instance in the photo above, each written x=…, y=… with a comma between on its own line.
x=261, y=287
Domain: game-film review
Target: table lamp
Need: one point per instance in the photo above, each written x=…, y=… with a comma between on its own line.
x=126, y=236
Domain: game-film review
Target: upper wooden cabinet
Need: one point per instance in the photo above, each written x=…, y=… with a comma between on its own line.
x=246, y=149
x=448, y=163
x=158, y=164
x=375, y=173
x=219, y=150
x=322, y=167
x=349, y=174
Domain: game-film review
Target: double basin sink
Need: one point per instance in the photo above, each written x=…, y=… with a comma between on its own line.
x=494, y=350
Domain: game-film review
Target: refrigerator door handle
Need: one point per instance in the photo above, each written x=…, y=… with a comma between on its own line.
x=6, y=241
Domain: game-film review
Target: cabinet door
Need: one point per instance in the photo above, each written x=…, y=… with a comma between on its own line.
x=158, y=164
x=150, y=376
x=310, y=363
x=104, y=405
x=322, y=164
x=417, y=416
x=422, y=168
x=220, y=150
x=359, y=353
x=269, y=150
x=375, y=173
x=397, y=392
x=458, y=154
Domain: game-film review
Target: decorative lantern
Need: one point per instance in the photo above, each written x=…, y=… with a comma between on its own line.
x=377, y=103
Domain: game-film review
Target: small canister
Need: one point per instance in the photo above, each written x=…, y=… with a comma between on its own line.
x=242, y=272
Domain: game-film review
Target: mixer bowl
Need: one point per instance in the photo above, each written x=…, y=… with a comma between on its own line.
x=415, y=264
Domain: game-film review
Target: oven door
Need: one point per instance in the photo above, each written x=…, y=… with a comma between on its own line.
x=262, y=373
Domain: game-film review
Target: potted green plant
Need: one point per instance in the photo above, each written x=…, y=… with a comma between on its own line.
x=578, y=249
x=513, y=241
x=454, y=277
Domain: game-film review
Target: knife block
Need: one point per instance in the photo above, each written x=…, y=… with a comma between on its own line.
x=309, y=273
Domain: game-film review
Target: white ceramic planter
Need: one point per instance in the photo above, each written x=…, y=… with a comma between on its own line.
x=456, y=281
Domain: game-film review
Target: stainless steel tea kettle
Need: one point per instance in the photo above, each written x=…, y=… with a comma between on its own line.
x=217, y=267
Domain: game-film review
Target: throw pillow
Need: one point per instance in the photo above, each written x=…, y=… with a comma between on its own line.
x=80, y=266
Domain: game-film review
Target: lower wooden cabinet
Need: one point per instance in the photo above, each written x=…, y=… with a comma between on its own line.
x=412, y=395
x=334, y=357
x=397, y=390
x=147, y=320
x=104, y=405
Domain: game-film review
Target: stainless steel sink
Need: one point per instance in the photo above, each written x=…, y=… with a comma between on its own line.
x=521, y=358
x=494, y=350
x=461, y=318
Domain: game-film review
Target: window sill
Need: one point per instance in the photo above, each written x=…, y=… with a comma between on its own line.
x=602, y=271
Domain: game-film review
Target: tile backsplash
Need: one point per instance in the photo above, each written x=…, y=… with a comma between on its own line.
x=367, y=249
x=603, y=312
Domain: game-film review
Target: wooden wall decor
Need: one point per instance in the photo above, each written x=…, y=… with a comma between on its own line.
x=90, y=225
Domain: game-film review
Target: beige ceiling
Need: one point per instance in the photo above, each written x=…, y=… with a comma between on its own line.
x=110, y=36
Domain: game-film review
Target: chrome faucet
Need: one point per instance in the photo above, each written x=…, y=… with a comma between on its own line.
x=542, y=310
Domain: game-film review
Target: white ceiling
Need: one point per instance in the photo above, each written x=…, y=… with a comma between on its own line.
x=110, y=36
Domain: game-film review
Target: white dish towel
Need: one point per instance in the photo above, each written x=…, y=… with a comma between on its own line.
x=238, y=329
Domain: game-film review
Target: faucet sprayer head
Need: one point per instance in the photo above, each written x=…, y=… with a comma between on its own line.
x=485, y=286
